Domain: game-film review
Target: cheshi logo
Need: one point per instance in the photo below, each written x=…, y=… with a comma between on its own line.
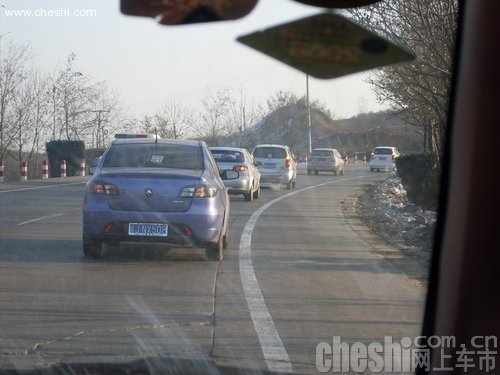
x=406, y=355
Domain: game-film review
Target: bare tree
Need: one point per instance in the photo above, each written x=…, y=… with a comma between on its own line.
x=280, y=100
x=172, y=120
x=13, y=68
x=417, y=91
x=31, y=120
x=244, y=113
x=216, y=120
x=107, y=116
x=73, y=97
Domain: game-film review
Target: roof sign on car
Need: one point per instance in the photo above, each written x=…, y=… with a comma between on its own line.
x=327, y=45
x=126, y=136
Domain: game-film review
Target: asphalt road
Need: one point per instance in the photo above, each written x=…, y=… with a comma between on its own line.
x=305, y=270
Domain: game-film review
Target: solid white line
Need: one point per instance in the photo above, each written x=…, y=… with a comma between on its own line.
x=274, y=351
x=41, y=187
x=40, y=218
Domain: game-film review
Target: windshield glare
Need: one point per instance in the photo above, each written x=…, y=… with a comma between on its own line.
x=270, y=266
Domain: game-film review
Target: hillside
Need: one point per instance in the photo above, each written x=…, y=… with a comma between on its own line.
x=289, y=125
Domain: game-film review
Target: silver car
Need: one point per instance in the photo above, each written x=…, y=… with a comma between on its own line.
x=276, y=164
x=240, y=160
x=325, y=160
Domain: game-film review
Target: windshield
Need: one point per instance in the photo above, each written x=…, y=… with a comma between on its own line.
x=322, y=153
x=228, y=156
x=383, y=151
x=269, y=152
x=153, y=155
x=269, y=266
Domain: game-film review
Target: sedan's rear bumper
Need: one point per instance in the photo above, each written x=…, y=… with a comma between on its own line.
x=204, y=221
x=239, y=186
x=380, y=164
x=280, y=178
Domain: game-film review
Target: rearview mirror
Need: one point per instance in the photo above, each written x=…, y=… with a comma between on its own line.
x=182, y=12
x=229, y=174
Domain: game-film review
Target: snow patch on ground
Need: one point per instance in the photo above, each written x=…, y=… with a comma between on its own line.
x=385, y=208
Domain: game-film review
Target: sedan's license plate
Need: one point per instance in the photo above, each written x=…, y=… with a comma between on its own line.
x=270, y=165
x=148, y=229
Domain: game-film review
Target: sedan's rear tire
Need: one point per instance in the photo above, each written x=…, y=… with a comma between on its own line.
x=215, y=251
x=256, y=193
x=92, y=248
x=249, y=196
x=289, y=185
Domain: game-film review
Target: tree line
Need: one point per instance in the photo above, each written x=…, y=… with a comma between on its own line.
x=36, y=107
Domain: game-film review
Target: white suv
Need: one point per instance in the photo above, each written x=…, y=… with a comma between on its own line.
x=276, y=164
x=384, y=157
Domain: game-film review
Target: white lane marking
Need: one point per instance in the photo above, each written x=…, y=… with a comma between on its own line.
x=41, y=187
x=272, y=347
x=40, y=218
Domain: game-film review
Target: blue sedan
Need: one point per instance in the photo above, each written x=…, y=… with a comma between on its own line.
x=156, y=190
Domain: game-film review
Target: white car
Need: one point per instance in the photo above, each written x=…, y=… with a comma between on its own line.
x=239, y=159
x=384, y=158
x=325, y=160
x=276, y=164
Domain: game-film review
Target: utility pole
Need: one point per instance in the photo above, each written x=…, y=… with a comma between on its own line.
x=308, y=112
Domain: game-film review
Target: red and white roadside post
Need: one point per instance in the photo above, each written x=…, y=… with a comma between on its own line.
x=1, y=170
x=24, y=171
x=45, y=169
x=63, y=168
x=82, y=167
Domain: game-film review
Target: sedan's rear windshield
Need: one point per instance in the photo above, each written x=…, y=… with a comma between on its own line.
x=154, y=155
x=228, y=156
x=383, y=151
x=322, y=153
x=269, y=152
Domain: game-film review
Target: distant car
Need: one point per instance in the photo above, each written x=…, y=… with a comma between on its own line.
x=359, y=156
x=325, y=160
x=276, y=164
x=239, y=159
x=151, y=190
x=384, y=158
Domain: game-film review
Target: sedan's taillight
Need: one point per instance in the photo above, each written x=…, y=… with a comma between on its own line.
x=240, y=168
x=288, y=162
x=198, y=191
x=108, y=189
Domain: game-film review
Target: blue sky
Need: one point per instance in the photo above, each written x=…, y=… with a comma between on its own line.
x=149, y=64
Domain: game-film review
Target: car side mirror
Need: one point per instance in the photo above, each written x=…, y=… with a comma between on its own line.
x=229, y=174
x=92, y=170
